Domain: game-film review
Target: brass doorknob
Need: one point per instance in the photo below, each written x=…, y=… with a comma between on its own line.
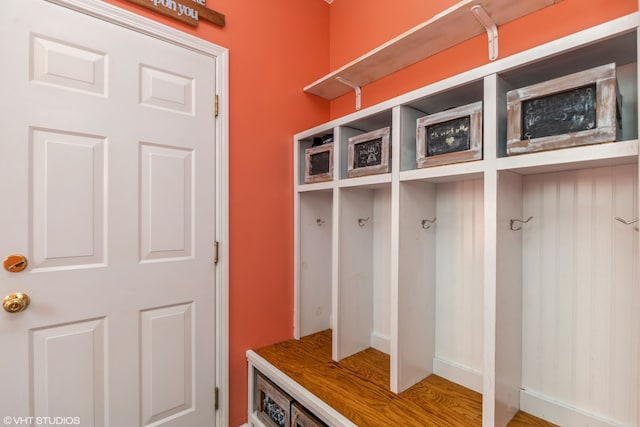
x=15, y=303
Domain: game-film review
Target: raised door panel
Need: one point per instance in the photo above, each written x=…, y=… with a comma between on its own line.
x=68, y=205
x=70, y=387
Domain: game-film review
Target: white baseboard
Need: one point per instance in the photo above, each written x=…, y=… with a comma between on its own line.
x=381, y=342
x=559, y=413
x=458, y=374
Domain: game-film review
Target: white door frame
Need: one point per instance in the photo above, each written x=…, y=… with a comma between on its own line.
x=132, y=21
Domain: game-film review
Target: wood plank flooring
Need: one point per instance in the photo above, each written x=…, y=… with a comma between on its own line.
x=358, y=387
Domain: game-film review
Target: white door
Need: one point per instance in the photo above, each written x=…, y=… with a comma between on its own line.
x=107, y=177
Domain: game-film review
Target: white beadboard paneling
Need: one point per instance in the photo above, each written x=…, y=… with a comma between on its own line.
x=354, y=320
x=580, y=327
x=314, y=294
x=415, y=310
x=381, y=266
x=364, y=252
x=625, y=364
x=508, y=297
x=459, y=273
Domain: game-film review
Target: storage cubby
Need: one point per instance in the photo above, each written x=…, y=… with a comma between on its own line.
x=364, y=238
x=302, y=145
x=514, y=275
x=358, y=127
x=313, y=308
x=440, y=283
x=579, y=292
x=444, y=100
x=620, y=50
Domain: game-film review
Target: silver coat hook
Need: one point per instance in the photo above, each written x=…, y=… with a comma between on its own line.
x=320, y=222
x=628, y=222
x=511, y=222
x=362, y=221
x=426, y=223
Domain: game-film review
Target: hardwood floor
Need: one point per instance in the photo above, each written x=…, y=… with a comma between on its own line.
x=358, y=387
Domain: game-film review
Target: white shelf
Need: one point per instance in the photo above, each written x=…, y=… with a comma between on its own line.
x=445, y=173
x=610, y=154
x=371, y=181
x=317, y=186
x=444, y=30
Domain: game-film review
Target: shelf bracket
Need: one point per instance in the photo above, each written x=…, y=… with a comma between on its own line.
x=492, y=30
x=353, y=86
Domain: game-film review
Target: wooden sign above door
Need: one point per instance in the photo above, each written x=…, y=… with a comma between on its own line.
x=187, y=11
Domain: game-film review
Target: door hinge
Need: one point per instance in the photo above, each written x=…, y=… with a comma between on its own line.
x=216, y=399
x=216, y=249
x=215, y=106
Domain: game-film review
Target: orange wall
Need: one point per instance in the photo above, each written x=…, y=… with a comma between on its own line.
x=357, y=26
x=275, y=49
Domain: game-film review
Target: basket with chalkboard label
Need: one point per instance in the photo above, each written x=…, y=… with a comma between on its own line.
x=272, y=404
x=573, y=110
x=449, y=136
x=369, y=153
x=318, y=163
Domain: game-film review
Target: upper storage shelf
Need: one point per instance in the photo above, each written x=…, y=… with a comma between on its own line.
x=453, y=26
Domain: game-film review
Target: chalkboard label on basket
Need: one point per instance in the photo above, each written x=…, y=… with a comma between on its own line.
x=368, y=153
x=565, y=112
x=319, y=163
x=449, y=136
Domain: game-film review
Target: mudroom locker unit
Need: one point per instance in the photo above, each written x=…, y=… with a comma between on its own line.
x=511, y=272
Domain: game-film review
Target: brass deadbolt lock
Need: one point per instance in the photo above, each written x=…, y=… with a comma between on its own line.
x=15, y=263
